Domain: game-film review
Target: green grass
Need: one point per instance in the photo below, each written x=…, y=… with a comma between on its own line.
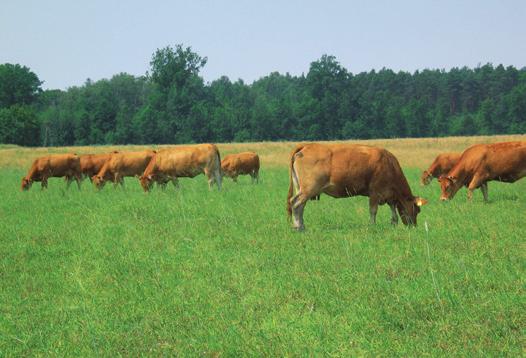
x=193, y=272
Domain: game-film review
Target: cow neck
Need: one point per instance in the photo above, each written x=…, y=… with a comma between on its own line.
x=32, y=171
x=460, y=173
x=433, y=169
x=104, y=169
x=404, y=192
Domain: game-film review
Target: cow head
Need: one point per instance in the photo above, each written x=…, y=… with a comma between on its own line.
x=225, y=170
x=448, y=186
x=98, y=181
x=426, y=178
x=409, y=209
x=146, y=182
x=26, y=183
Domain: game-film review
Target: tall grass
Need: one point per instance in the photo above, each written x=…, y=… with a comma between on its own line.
x=411, y=152
x=198, y=272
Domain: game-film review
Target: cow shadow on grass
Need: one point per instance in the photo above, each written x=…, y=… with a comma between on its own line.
x=363, y=228
x=504, y=197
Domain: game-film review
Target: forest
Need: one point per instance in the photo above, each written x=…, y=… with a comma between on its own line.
x=172, y=103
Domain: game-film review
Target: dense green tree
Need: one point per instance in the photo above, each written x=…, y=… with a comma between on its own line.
x=172, y=104
x=18, y=85
x=19, y=125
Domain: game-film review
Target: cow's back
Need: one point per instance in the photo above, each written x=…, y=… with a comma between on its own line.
x=62, y=164
x=497, y=158
x=446, y=162
x=184, y=161
x=91, y=164
x=130, y=163
x=241, y=163
x=506, y=157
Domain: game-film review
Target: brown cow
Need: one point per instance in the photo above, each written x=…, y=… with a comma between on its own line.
x=54, y=165
x=442, y=164
x=186, y=161
x=343, y=170
x=120, y=165
x=91, y=164
x=244, y=163
x=481, y=163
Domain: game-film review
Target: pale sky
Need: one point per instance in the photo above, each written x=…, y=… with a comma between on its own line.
x=65, y=41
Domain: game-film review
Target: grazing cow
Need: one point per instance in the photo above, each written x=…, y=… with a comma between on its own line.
x=91, y=164
x=244, y=163
x=54, y=165
x=120, y=165
x=442, y=164
x=187, y=161
x=343, y=170
x=481, y=163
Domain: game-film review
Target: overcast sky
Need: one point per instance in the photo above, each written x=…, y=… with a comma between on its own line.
x=65, y=42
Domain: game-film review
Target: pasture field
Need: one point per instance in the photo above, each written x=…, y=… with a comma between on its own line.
x=190, y=271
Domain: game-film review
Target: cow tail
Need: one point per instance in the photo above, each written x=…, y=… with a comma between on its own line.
x=218, y=170
x=291, y=184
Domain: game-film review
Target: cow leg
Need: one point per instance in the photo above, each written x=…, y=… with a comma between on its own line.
x=175, y=182
x=218, y=177
x=68, y=180
x=43, y=183
x=484, y=189
x=162, y=185
x=210, y=177
x=394, y=214
x=115, y=182
x=119, y=180
x=213, y=177
x=476, y=182
x=234, y=179
x=373, y=209
x=298, y=203
x=78, y=179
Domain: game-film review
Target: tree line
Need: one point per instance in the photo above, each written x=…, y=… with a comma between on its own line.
x=172, y=103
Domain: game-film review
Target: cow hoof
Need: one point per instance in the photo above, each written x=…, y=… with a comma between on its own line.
x=299, y=228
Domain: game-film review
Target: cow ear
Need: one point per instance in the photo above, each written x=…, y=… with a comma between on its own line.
x=420, y=201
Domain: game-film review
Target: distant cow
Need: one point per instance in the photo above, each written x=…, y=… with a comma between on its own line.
x=244, y=163
x=442, y=164
x=343, y=170
x=91, y=164
x=122, y=164
x=481, y=163
x=186, y=161
x=54, y=165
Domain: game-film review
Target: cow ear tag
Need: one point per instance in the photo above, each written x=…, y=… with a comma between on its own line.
x=420, y=201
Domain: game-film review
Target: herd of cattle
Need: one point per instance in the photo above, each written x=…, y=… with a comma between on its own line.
x=338, y=170
x=149, y=166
